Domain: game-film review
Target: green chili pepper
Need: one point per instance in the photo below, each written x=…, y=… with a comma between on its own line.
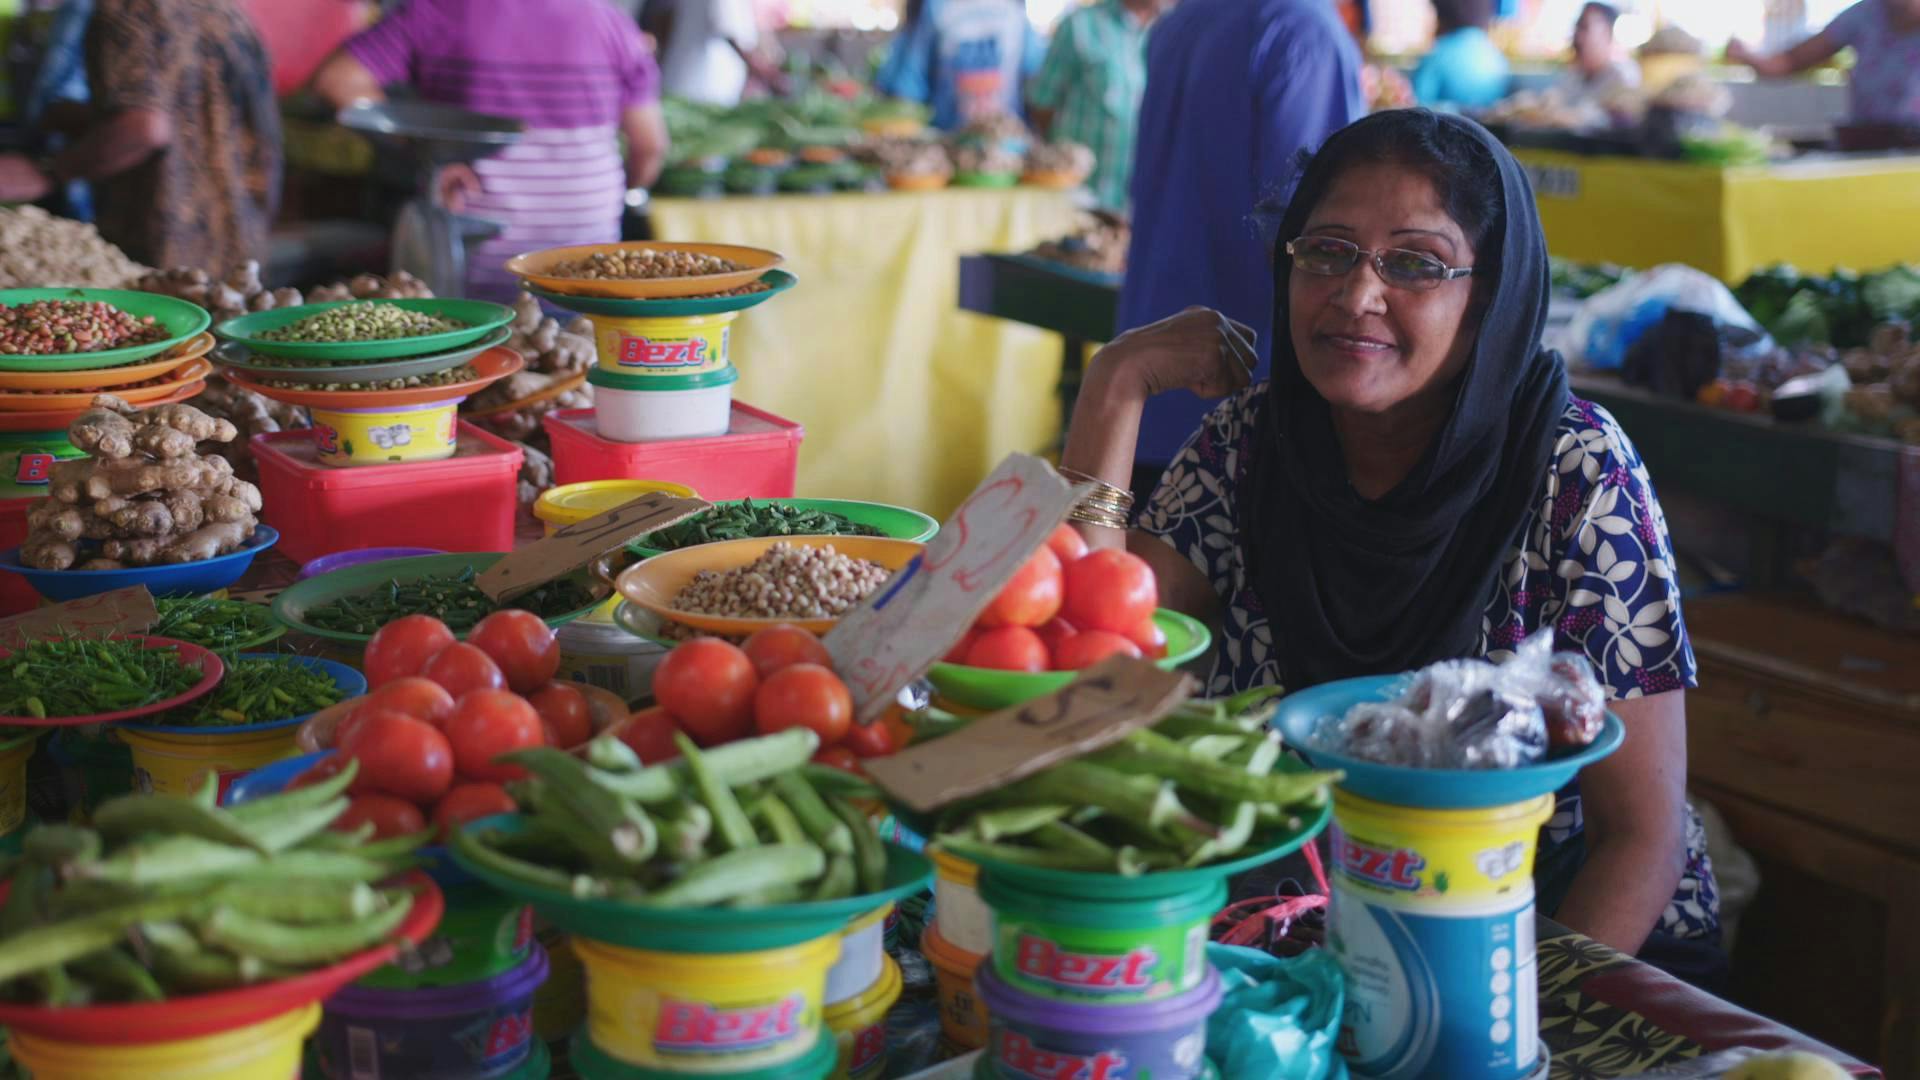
x=57, y=677
x=260, y=691
x=452, y=598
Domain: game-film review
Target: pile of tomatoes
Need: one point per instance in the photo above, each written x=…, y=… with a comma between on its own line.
x=781, y=677
x=1067, y=608
x=439, y=712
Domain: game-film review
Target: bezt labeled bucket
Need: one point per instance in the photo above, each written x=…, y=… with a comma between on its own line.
x=1157, y=1040
x=473, y=1031
x=1110, y=951
x=684, y=345
x=349, y=437
x=268, y=1050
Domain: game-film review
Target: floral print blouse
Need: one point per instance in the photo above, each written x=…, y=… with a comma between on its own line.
x=1595, y=563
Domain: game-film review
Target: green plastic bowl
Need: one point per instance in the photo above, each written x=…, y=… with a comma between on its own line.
x=182, y=320
x=990, y=690
x=778, y=281
x=896, y=522
x=322, y=376
x=698, y=930
x=291, y=606
x=481, y=317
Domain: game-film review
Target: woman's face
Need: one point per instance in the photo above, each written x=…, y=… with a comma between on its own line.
x=1364, y=345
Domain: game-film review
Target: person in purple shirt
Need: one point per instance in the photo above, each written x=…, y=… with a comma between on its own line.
x=575, y=72
x=1236, y=90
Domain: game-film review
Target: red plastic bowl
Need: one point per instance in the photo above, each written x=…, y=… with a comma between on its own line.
x=211, y=672
x=209, y=1014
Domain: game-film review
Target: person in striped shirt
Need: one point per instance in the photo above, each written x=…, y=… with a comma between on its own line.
x=575, y=72
x=1089, y=86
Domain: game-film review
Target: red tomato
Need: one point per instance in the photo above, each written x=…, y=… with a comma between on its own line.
x=1089, y=647
x=1031, y=598
x=325, y=769
x=871, y=740
x=345, y=728
x=1110, y=590
x=804, y=695
x=566, y=713
x=649, y=734
x=1067, y=543
x=415, y=695
x=1056, y=631
x=400, y=756
x=523, y=647
x=708, y=686
x=462, y=669
x=1010, y=648
x=403, y=647
x=838, y=757
x=958, y=654
x=782, y=646
x=1151, y=639
x=389, y=816
x=488, y=723
x=465, y=802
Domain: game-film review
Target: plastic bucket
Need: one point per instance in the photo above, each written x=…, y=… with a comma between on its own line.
x=1111, y=951
x=654, y=347
x=693, y=1013
x=964, y=919
x=595, y=651
x=1433, y=921
x=1034, y=1036
x=863, y=955
x=570, y=504
x=592, y=1063
x=15, y=751
x=172, y=764
x=268, y=1050
x=649, y=408
x=483, y=934
x=963, y=1016
x=474, y=1031
x=384, y=436
x=560, y=1005
x=859, y=1026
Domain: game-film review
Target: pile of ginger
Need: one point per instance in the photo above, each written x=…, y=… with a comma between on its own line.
x=144, y=495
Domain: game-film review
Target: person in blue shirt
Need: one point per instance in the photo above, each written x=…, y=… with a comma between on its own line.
x=61, y=80
x=967, y=58
x=1236, y=91
x=1466, y=70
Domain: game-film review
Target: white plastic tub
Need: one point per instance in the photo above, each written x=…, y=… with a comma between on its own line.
x=648, y=408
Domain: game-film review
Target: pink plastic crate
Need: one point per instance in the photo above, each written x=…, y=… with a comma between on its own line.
x=757, y=458
x=465, y=503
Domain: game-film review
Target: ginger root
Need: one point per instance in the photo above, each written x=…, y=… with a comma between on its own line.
x=48, y=553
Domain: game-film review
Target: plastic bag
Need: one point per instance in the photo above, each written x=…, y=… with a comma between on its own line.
x=1609, y=322
x=1280, y=1018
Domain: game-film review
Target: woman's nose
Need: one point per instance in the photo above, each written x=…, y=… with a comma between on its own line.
x=1362, y=289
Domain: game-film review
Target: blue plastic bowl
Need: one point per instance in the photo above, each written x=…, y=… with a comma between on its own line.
x=180, y=579
x=273, y=779
x=1301, y=714
x=329, y=563
x=349, y=682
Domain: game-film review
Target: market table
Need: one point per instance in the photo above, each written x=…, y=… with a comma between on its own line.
x=905, y=399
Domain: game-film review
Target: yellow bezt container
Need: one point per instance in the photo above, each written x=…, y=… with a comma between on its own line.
x=687, y=345
x=571, y=504
x=172, y=764
x=268, y=1050
x=859, y=1026
x=383, y=436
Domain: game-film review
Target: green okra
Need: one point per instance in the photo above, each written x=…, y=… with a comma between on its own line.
x=1153, y=754
x=475, y=846
x=313, y=902
x=737, y=873
x=120, y=974
x=838, y=882
x=994, y=825
x=301, y=946
x=781, y=826
x=977, y=850
x=869, y=854
x=608, y=753
x=729, y=821
x=1060, y=836
x=287, y=803
x=684, y=835
x=735, y=764
x=1144, y=799
x=134, y=815
x=59, y=943
x=831, y=781
x=61, y=845
x=823, y=826
x=1214, y=747
x=613, y=832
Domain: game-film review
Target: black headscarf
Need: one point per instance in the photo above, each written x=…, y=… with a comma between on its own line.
x=1357, y=587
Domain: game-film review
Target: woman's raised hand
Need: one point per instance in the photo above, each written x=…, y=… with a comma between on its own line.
x=1199, y=350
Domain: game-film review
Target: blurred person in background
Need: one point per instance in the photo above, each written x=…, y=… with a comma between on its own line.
x=182, y=140
x=708, y=48
x=1465, y=70
x=1884, y=87
x=1236, y=91
x=968, y=59
x=57, y=94
x=1088, y=89
x=575, y=72
x=1598, y=71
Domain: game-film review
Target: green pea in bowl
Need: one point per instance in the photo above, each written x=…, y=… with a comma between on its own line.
x=259, y=332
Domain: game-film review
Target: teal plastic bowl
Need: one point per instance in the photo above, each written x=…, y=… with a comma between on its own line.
x=481, y=319
x=990, y=690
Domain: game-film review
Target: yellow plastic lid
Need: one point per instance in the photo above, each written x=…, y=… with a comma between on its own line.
x=572, y=503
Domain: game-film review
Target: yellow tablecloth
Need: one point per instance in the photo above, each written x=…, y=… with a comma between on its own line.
x=905, y=398
x=1817, y=214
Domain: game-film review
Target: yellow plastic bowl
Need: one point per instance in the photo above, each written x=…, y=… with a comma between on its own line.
x=655, y=583
x=384, y=436
x=173, y=764
x=269, y=1050
x=571, y=504
x=688, y=345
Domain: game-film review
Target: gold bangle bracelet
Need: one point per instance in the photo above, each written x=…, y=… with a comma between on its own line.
x=1100, y=487
x=1098, y=505
x=1097, y=519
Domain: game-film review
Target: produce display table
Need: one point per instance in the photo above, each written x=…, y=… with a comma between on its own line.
x=1818, y=212
x=906, y=400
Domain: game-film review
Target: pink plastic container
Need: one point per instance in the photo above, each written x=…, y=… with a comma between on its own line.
x=757, y=458
x=16, y=596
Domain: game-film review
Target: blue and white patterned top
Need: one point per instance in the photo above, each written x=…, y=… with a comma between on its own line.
x=1596, y=564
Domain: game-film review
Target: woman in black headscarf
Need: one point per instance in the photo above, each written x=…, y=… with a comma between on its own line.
x=1416, y=484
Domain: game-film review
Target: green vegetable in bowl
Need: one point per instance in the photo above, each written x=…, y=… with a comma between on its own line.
x=220, y=625
x=454, y=599
x=747, y=519
x=58, y=677
x=260, y=691
x=363, y=322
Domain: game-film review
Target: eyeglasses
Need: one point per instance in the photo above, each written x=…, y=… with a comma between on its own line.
x=1330, y=256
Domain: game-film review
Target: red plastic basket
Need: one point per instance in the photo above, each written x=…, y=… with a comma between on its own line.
x=209, y=1014
x=16, y=595
x=212, y=670
x=758, y=458
x=464, y=503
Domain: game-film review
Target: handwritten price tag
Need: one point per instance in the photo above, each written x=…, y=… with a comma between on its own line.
x=122, y=611
x=578, y=544
x=1110, y=699
x=900, y=631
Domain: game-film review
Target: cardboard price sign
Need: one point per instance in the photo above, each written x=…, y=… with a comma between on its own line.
x=122, y=611
x=573, y=547
x=1114, y=697
x=899, y=632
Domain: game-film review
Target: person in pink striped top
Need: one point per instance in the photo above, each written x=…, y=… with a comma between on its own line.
x=576, y=72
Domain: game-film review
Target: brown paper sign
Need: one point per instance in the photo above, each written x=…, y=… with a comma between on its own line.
x=1114, y=697
x=897, y=634
x=578, y=544
x=122, y=611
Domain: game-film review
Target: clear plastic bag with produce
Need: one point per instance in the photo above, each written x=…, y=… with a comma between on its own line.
x=1607, y=324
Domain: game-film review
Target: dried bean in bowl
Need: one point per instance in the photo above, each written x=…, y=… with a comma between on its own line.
x=55, y=327
x=787, y=582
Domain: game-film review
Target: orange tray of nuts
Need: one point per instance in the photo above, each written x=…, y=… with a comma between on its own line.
x=103, y=378
x=141, y=393
x=60, y=419
x=643, y=270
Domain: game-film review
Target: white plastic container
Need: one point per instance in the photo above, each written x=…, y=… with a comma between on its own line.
x=863, y=956
x=595, y=651
x=649, y=408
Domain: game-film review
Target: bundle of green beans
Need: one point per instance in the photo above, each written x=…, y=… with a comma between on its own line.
x=368, y=321
x=452, y=598
x=1204, y=785
x=747, y=519
x=744, y=825
x=220, y=625
x=55, y=677
x=169, y=895
x=262, y=690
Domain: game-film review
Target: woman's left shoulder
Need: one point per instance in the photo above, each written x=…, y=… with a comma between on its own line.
x=1589, y=444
